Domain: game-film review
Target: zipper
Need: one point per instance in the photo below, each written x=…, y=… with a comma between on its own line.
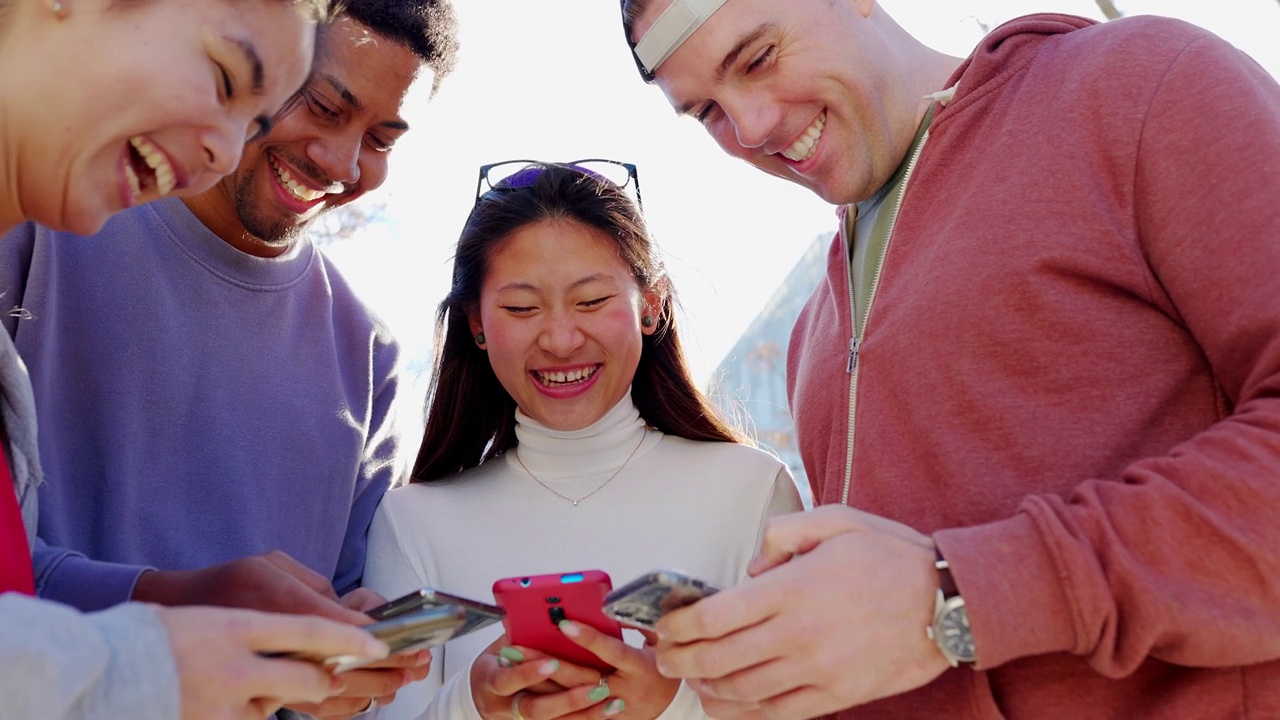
x=856, y=341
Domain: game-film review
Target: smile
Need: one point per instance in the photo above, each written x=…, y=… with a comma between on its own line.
x=802, y=149
x=148, y=168
x=565, y=377
x=296, y=189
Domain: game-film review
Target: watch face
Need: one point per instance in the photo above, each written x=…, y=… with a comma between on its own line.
x=954, y=634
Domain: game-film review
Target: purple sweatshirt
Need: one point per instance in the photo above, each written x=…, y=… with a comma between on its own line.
x=196, y=404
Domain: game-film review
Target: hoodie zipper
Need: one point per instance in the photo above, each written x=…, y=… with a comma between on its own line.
x=856, y=340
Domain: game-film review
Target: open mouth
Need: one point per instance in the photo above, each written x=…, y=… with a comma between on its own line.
x=565, y=378
x=803, y=148
x=148, y=169
x=297, y=190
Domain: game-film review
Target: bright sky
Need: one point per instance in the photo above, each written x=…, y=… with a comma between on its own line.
x=552, y=80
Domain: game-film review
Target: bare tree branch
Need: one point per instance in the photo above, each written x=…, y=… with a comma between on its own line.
x=1109, y=9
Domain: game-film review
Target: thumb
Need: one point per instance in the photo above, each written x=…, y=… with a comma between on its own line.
x=788, y=535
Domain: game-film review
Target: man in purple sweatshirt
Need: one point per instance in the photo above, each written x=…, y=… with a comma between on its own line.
x=217, y=407
x=1038, y=389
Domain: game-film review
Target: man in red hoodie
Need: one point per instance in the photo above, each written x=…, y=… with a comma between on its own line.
x=1039, y=388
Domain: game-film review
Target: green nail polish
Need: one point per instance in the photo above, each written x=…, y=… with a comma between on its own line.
x=511, y=654
x=614, y=706
x=598, y=692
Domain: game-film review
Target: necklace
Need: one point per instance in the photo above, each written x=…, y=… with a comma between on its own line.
x=599, y=487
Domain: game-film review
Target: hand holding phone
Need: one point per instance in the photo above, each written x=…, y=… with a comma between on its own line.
x=536, y=604
x=405, y=633
x=478, y=614
x=643, y=601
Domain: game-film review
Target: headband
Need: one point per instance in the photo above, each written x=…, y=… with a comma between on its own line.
x=671, y=29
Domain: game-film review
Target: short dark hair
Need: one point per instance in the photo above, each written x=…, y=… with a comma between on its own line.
x=427, y=27
x=470, y=416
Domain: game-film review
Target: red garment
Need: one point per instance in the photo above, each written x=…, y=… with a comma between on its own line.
x=15, y=555
x=1070, y=374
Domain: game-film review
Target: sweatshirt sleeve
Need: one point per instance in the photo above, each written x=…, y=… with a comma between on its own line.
x=382, y=464
x=88, y=585
x=60, y=664
x=1180, y=559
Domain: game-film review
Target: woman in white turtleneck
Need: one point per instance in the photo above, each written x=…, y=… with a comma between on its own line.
x=564, y=433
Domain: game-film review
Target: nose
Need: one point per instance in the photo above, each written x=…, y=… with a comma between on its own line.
x=560, y=335
x=223, y=146
x=338, y=156
x=753, y=119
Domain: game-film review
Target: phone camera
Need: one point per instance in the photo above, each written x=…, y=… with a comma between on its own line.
x=556, y=613
x=525, y=582
x=553, y=599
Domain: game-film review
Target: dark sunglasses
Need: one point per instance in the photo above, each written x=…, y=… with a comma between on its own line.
x=513, y=174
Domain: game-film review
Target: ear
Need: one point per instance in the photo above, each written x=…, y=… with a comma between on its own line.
x=473, y=323
x=651, y=306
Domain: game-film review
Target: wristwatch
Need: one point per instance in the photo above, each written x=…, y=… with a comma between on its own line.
x=950, y=627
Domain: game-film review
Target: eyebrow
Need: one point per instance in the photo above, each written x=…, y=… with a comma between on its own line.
x=730, y=58
x=350, y=98
x=255, y=63
x=598, y=277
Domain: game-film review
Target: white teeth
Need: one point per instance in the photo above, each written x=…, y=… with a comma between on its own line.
x=803, y=148
x=295, y=188
x=565, y=377
x=156, y=160
x=132, y=177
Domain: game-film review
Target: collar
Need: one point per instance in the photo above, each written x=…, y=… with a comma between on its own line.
x=595, y=450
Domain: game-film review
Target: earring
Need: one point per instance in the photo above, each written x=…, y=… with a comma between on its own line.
x=647, y=321
x=480, y=338
x=59, y=10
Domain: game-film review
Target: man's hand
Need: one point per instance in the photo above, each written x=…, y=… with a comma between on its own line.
x=379, y=681
x=219, y=656
x=837, y=620
x=273, y=582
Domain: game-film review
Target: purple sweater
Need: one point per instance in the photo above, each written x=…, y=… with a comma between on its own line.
x=196, y=404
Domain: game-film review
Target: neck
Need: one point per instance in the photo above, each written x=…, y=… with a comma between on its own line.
x=215, y=208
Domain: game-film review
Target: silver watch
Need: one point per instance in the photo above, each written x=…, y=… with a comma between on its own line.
x=950, y=627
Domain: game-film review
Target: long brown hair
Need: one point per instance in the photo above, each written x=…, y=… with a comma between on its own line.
x=470, y=416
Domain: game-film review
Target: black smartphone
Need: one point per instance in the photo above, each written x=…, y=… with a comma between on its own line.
x=478, y=614
x=643, y=601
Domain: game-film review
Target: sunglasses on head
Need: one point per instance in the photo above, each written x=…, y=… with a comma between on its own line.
x=515, y=174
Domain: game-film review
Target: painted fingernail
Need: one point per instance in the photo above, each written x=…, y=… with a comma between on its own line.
x=512, y=654
x=569, y=628
x=598, y=692
x=549, y=667
x=614, y=706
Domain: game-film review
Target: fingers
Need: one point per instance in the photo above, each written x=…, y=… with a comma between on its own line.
x=569, y=704
x=305, y=575
x=362, y=600
x=513, y=670
x=414, y=661
x=789, y=535
x=310, y=636
x=731, y=610
x=609, y=649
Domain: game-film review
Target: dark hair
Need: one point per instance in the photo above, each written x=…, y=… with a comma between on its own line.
x=427, y=27
x=470, y=416
x=631, y=11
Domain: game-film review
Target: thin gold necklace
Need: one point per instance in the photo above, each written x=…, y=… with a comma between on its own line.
x=600, y=487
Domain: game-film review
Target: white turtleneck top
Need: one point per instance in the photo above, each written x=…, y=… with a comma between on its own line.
x=697, y=507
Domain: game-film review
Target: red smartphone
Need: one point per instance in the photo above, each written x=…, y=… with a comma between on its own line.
x=536, y=604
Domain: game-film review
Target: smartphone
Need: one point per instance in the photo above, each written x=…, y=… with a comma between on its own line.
x=641, y=602
x=407, y=632
x=536, y=604
x=479, y=615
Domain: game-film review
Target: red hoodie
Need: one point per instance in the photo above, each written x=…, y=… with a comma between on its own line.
x=1070, y=374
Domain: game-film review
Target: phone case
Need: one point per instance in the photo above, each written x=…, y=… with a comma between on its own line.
x=408, y=632
x=536, y=604
x=479, y=615
x=643, y=601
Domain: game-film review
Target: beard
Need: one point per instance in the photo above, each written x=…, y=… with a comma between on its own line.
x=265, y=221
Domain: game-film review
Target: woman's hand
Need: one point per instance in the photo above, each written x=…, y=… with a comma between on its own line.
x=542, y=686
x=635, y=685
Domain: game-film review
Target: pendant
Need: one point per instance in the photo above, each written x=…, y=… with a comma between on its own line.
x=575, y=503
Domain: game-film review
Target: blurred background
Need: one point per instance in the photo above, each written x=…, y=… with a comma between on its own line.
x=553, y=80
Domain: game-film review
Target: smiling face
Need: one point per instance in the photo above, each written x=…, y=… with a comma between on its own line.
x=561, y=315
x=799, y=89
x=153, y=97
x=329, y=149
